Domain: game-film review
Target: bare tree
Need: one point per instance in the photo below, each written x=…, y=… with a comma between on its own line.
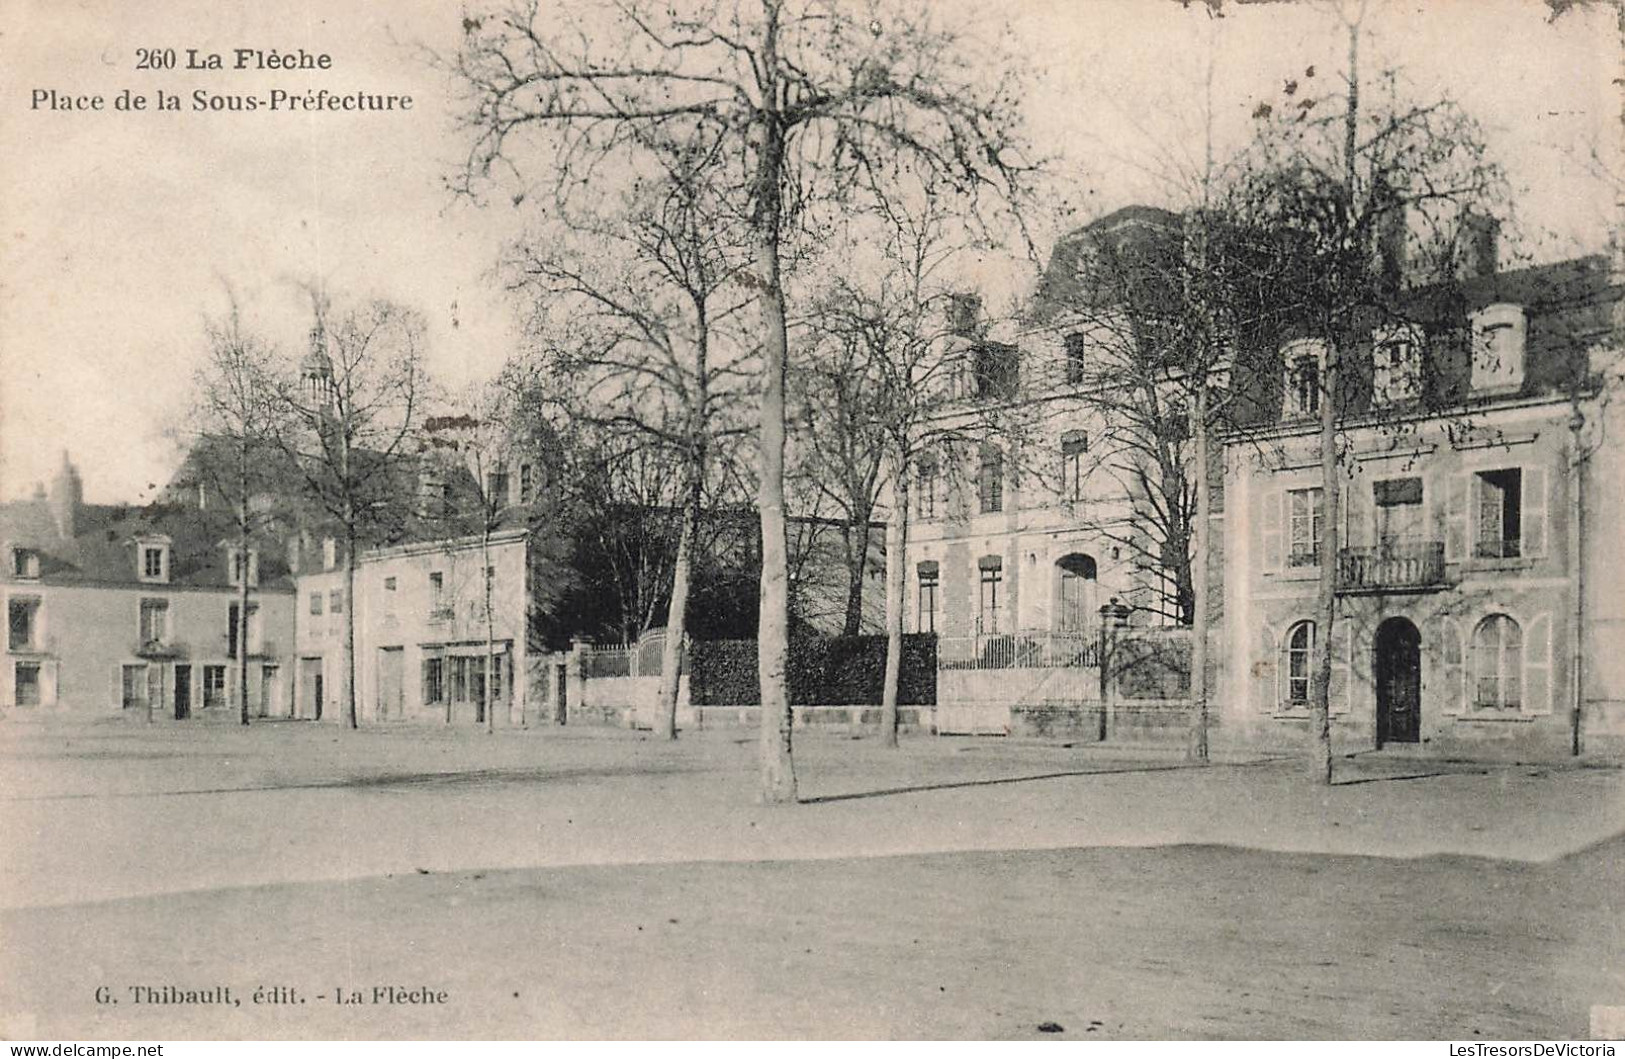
x=231, y=459
x=889, y=363
x=1330, y=183
x=803, y=103
x=351, y=407
x=636, y=310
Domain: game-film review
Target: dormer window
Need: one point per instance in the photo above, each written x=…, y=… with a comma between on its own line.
x=234, y=566
x=1498, y=347
x=1396, y=365
x=152, y=561
x=25, y=564
x=1303, y=360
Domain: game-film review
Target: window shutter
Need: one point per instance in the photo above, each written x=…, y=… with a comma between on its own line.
x=425, y=683
x=1340, y=693
x=1537, y=666
x=1268, y=654
x=1533, y=528
x=118, y=688
x=1453, y=674
x=1456, y=540
x=1358, y=515
x=1272, y=528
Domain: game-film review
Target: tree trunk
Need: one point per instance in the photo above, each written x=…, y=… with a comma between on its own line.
x=778, y=775
x=490, y=630
x=349, y=630
x=242, y=583
x=857, y=556
x=896, y=580
x=671, y=654
x=1198, y=750
x=1326, y=588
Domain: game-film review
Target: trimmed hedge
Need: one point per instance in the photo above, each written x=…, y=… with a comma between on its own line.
x=833, y=671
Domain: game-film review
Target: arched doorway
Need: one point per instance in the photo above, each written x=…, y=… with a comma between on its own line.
x=1398, y=671
x=1075, y=605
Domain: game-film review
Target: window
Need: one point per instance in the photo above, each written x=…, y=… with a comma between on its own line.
x=234, y=633
x=1498, y=347
x=24, y=563
x=1396, y=365
x=154, y=621
x=1300, y=649
x=214, y=686
x=1305, y=522
x=389, y=595
x=316, y=604
x=434, y=680
x=1074, y=444
x=133, y=687
x=154, y=562
x=1498, y=663
x=234, y=565
x=1399, y=511
x=525, y=484
x=330, y=553
x=439, y=609
x=1303, y=360
x=1499, y=502
x=335, y=601
x=990, y=480
x=1077, y=349
x=23, y=618
x=987, y=618
x=27, y=683
x=496, y=488
x=459, y=680
x=925, y=611
x=926, y=478
x=996, y=371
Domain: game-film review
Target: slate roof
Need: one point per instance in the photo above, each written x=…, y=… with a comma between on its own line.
x=102, y=550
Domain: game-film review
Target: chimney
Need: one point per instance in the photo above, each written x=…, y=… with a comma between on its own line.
x=67, y=496
x=964, y=312
x=1392, y=235
x=1477, y=246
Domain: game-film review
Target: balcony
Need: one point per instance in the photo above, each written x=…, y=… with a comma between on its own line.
x=442, y=612
x=1396, y=566
x=158, y=649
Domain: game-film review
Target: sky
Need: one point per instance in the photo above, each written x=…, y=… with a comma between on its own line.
x=122, y=231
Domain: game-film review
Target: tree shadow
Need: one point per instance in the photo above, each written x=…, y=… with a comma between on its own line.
x=998, y=781
x=1409, y=776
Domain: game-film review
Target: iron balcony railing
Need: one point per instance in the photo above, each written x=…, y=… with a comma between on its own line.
x=1391, y=565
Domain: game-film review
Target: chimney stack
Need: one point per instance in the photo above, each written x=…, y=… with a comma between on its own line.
x=67, y=496
x=964, y=313
x=1478, y=246
x=1393, y=235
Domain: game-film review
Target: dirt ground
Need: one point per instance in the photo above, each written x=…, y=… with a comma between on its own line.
x=598, y=884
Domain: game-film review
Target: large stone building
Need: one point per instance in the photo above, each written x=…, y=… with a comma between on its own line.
x=113, y=609
x=1024, y=513
x=1480, y=583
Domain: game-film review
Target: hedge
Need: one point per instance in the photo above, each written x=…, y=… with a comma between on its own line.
x=832, y=671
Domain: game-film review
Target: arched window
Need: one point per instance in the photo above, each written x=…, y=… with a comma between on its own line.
x=1075, y=595
x=1299, y=650
x=1498, y=664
